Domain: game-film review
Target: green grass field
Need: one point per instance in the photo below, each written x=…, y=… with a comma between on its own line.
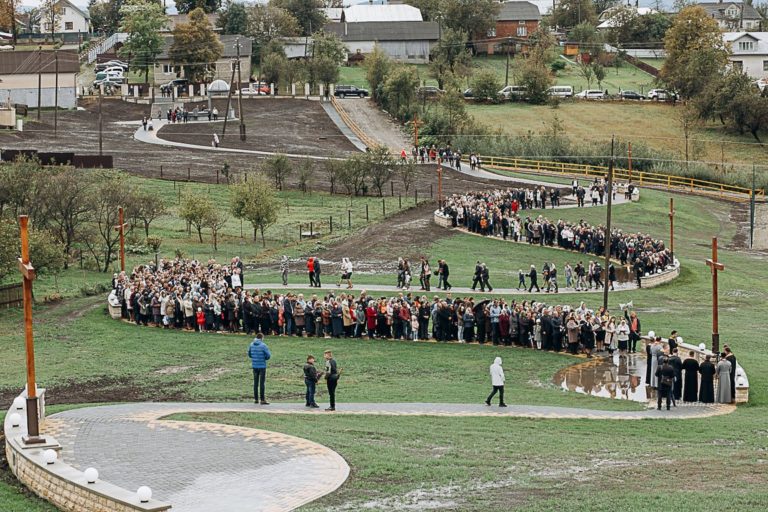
x=474, y=464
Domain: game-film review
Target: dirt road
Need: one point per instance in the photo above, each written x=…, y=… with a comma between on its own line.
x=377, y=124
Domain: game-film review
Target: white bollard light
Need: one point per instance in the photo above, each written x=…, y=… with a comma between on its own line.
x=144, y=494
x=15, y=419
x=91, y=475
x=19, y=403
x=49, y=456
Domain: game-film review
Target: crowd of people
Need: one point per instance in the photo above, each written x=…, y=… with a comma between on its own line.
x=498, y=213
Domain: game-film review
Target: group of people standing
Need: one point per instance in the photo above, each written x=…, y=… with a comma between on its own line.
x=690, y=380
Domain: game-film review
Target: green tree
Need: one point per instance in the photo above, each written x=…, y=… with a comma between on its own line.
x=51, y=13
x=143, y=20
x=380, y=167
x=196, y=210
x=273, y=67
x=109, y=191
x=195, y=46
x=307, y=13
x=105, y=15
x=474, y=17
x=377, y=65
x=450, y=57
x=187, y=6
x=535, y=74
x=431, y=10
x=278, y=168
x=266, y=23
x=46, y=254
x=233, y=19
x=215, y=221
x=255, y=201
x=400, y=91
x=696, y=52
x=353, y=175
x=569, y=13
x=146, y=208
x=486, y=85
x=599, y=72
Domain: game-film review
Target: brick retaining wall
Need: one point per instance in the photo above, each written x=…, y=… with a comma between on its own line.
x=61, y=484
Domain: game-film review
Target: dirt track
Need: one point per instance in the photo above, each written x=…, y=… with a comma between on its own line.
x=377, y=124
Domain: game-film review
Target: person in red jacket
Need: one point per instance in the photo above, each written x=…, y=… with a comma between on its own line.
x=311, y=270
x=370, y=318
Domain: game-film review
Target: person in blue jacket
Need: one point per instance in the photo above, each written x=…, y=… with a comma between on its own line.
x=259, y=353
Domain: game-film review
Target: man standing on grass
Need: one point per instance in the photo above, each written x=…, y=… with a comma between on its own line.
x=311, y=376
x=331, y=378
x=259, y=353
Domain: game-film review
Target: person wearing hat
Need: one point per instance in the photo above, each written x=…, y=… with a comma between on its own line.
x=497, y=381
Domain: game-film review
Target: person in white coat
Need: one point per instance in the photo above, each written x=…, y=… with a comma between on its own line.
x=497, y=381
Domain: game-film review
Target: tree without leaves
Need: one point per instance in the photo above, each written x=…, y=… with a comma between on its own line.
x=305, y=176
x=406, y=171
x=195, y=46
x=143, y=20
x=215, y=221
x=255, y=201
x=50, y=15
x=332, y=171
x=196, y=209
x=380, y=165
x=147, y=207
x=109, y=191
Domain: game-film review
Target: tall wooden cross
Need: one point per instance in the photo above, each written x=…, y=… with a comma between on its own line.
x=28, y=273
x=416, y=124
x=121, y=228
x=439, y=182
x=714, y=266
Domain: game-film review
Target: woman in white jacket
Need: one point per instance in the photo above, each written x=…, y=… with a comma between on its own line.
x=497, y=381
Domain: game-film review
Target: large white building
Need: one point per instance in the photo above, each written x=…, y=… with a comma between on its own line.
x=749, y=52
x=69, y=19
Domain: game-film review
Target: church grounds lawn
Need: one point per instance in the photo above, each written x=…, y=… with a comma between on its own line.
x=500, y=464
x=482, y=464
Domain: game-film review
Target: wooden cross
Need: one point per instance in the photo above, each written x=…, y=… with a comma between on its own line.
x=416, y=124
x=714, y=266
x=439, y=182
x=121, y=228
x=28, y=273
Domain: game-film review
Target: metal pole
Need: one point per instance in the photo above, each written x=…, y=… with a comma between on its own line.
x=39, y=80
x=56, y=93
x=229, y=102
x=506, y=76
x=752, y=210
x=607, y=237
x=239, y=93
x=630, y=162
x=672, y=228
x=101, y=122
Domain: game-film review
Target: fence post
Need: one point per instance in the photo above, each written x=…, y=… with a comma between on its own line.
x=392, y=188
x=161, y=172
x=349, y=218
x=383, y=207
x=416, y=196
x=189, y=173
x=179, y=202
x=311, y=229
x=174, y=184
x=330, y=224
x=299, y=231
x=366, y=212
x=217, y=176
x=400, y=200
x=430, y=191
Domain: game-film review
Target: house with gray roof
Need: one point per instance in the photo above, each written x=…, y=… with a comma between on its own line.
x=404, y=41
x=733, y=16
x=516, y=21
x=166, y=70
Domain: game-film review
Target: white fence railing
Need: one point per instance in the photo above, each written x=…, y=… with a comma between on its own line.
x=105, y=46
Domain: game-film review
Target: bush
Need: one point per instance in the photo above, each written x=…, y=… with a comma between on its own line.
x=556, y=66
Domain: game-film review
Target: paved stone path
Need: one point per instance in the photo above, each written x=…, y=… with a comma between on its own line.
x=197, y=467
x=204, y=467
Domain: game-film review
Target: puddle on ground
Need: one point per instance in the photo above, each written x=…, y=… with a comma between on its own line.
x=608, y=377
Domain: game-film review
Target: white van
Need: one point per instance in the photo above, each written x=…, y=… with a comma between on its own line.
x=561, y=91
x=514, y=92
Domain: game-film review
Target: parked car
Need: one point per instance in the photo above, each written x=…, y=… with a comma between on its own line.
x=112, y=63
x=256, y=89
x=631, y=95
x=112, y=75
x=110, y=86
x=469, y=93
x=342, y=91
x=591, y=94
x=116, y=70
x=182, y=85
x=429, y=91
x=514, y=92
x=661, y=95
x=561, y=91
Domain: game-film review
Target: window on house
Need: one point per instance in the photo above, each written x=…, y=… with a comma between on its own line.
x=169, y=68
x=765, y=65
x=746, y=46
x=68, y=25
x=738, y=65
x=492, y=32
x=522, y=31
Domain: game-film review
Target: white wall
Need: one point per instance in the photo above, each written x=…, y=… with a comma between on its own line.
x=752, y=65
x=70, y=15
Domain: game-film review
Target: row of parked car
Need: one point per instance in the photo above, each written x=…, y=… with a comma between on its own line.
x=520, y=93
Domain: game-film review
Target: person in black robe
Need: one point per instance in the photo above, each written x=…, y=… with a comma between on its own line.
x=677, y=364
x=691, y=387
x=648, y=362
x=707, y=387
x=557, y=333
x=732, y=359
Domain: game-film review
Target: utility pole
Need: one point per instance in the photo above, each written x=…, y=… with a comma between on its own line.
x=39, y=79
x=239, y=93
x=506, y=76
x=607, y=237
x=672, y=228
x=229, y=100
x=101, y=121
x=56, y=94
x=630, y=162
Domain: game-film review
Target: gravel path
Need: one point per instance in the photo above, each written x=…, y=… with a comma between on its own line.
x=375, y=123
